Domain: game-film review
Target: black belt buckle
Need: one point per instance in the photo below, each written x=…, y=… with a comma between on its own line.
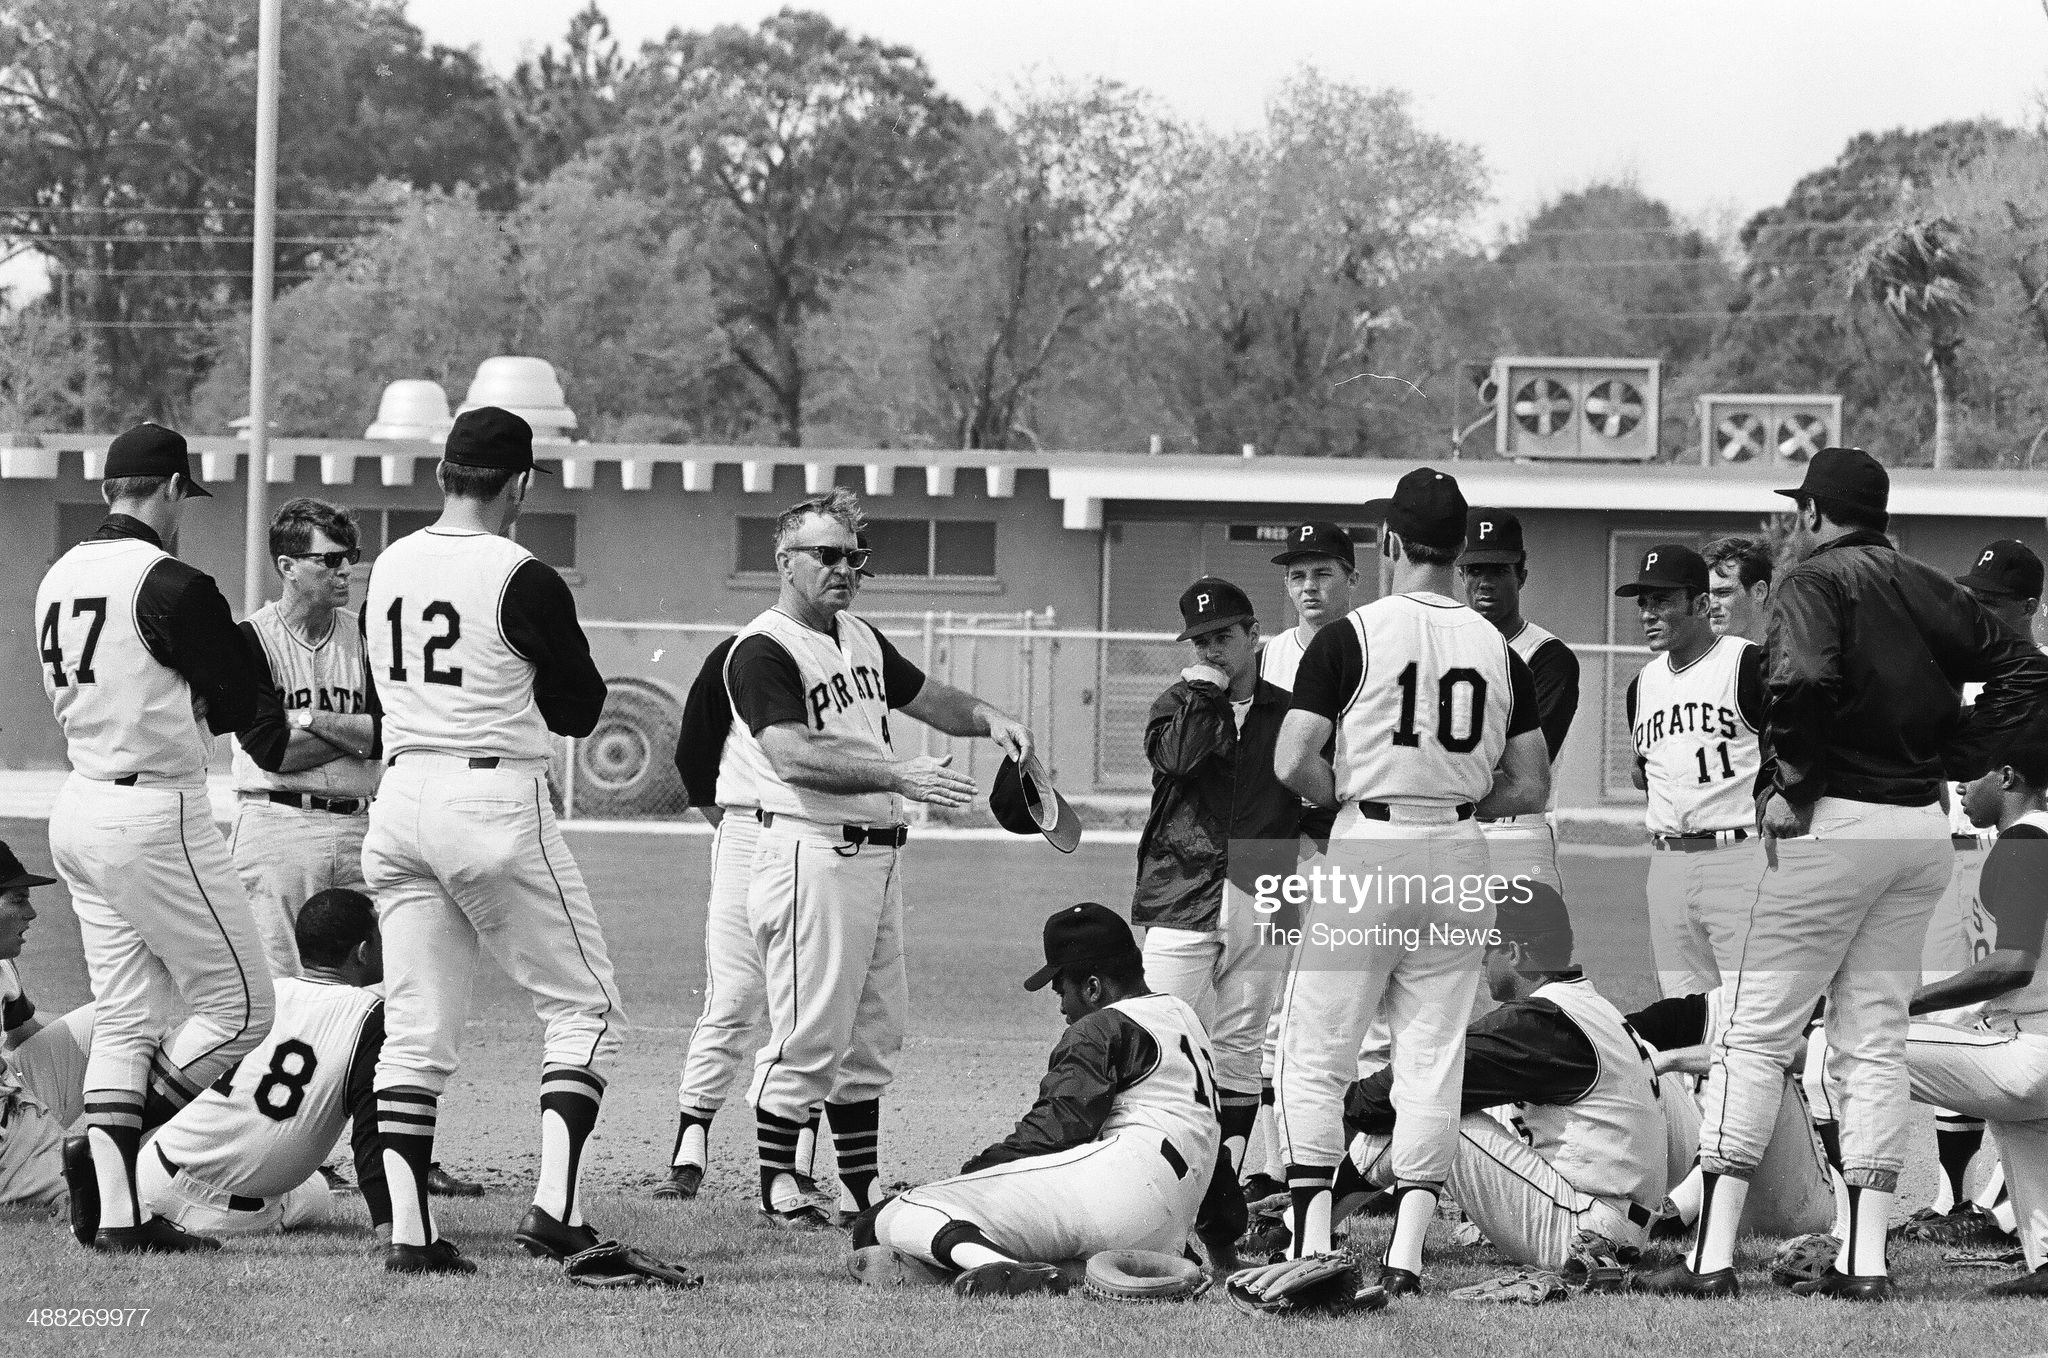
x=1640, y=1216
x=1173, y=1158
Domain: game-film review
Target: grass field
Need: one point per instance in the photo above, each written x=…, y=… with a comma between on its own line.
x=977, y=1044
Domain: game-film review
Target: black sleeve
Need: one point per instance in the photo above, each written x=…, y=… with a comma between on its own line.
x=2015, y=678
x=186, y=625
x=1105, y=1052
x=1527, y=1052
x=359, y=1096
x=1749, y=687
x=1555, y=672
x=266, y=735
x=1805, y=682
x=767, y=689
x=538, y=619
x=372, y=702
x=1628, y=703
x=1667, y=1025
x=901, y=680
x=707, y=718
x=1189, y=724
x=1330, y=672
x=1524, y=712
x=2014, y=888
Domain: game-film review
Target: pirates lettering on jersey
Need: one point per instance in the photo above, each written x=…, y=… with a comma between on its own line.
x=1695, y=731
x=330, y=675
x=836, y=694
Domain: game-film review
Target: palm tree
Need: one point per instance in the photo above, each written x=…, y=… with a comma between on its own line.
x=1924, y=276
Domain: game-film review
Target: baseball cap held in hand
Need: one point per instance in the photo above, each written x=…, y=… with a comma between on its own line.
x=1081, y=934
x=493, y=439
x=1210, y=605
x=1426, y=508
x=1026, y=803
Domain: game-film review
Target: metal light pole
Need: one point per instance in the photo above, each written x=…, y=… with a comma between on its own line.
x=256, y=526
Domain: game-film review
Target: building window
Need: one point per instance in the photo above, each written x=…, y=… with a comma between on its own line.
x=550, y=537
x=913, y=549
x=756, y=547
x=399, y=523
x=77, y=521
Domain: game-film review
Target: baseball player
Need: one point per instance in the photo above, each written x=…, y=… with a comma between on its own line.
x=1865, y=648
x=1111, y=1156
x=42, y=1064
x=735, y=1013
x=1493, y=568
x=1435, y=721
x=1694, y=713
x=243, y=1158
x=138, y=650
x=478, y=656
x=307, y=766
x=1739, y=571
x=1209, y=738
x=812, y=688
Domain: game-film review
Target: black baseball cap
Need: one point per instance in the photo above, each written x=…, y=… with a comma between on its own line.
x=2009, y=567
x=1084, y=933
x=492, y=438
x=1026, y=803
x=152, y=449
x=1848, y=476
x=1668, y=565
x=1317, y=538
x=1210, y=605
x=1533, y=914
x=12, y=873
x=1426, y=507
x=1493, y=537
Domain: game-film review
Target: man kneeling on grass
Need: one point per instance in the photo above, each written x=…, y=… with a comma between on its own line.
x=1119, y=1152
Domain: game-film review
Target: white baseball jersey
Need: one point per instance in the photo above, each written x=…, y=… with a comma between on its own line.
x=330, y=675
x=123, y=711
x=1525, y=643
x=1611, y=1142
x=269, y=1123
x=1699, y=748
x=1280, y=657
x=447, y=677
x=1178, y=1099
x=846, y=710
x=1429, y=720
x=735, y=777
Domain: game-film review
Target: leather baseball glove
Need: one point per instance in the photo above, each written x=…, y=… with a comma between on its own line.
x=613, y=1264
x=1316, y=1284
x=1804, y=1259
x=1596, y=1264
x=1143, y=1275
x=1527, y=1287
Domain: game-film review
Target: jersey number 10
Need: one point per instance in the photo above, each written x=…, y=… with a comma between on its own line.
x=442, y=612
x=1447, y=713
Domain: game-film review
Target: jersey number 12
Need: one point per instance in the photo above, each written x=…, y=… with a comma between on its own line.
x=442, y=612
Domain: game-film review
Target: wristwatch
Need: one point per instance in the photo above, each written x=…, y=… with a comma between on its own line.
x=303, y=719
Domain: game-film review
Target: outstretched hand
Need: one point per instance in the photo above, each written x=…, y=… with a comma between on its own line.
x=928, y=780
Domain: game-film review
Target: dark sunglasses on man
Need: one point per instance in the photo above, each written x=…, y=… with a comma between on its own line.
x=333, y=561
x=828, y=557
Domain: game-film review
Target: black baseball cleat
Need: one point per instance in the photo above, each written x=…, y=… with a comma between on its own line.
x=1220, y=1249
x=2033, y=1284
x=1370, y=1297
x=1680, y=1281
x=543, y=1237
x=154, y=1236
x=804, y=1217
x=1399, y=1282
x=682, y=1182
x=1006, y=1278
x=1847, y=1286
x=439, y=1257
x=337, y=1182
x=1262, y=1186
x=442, y=1184
x=83, y=1181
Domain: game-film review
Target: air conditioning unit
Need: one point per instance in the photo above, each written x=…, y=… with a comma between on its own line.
x=1769, y=430
x=1576, y=409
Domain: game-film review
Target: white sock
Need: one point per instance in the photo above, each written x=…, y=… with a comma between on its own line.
x=784, y=1195
x=409, y=1226
x=1840, y=1230
x=807, y=1149
x=1870, y=1215
x=695, y=1146
x=117, y=1196
x=1312, y=1233
x=1685, y=1196
x=1720, y=1218
x=1413, y=1210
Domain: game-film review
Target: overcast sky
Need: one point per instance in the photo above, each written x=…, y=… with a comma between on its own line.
x=1716, y=106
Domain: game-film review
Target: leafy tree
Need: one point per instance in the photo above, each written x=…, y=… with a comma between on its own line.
x=795, y=150
x=1924, y=277
x=46, y=371
x=562, y=100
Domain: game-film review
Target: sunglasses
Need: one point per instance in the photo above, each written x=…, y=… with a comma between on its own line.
x=334, y=561
x=828, y=557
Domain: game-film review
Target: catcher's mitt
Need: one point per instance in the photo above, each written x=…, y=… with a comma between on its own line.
x=1143, y=1275
x=612, y=1264
x=1804, y=1259
x=1966, y=1225
x=1527, y=1287
x=1595, y=1264
x=1317, y=1284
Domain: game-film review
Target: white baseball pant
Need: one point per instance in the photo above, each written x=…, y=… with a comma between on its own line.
x=1791, y=1192
x=1697, y=902
x=1524, y=846
x=1230, y=980
x=1998, y=1073
x=735, y=1015
x=1333, y=994
x=1843, y=914
x=1119, y=1193
x=166, y=927
x=284, y=855
x=464, y=859
x=827, y=917
x=206, y=1210
x=50, y=1071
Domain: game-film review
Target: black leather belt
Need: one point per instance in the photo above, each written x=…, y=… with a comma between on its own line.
x=1381, y=811
x=888, y=836
x=1698, y=841
x=1964, y=843
x=1174, y=1158
x=1640, y=1216
x=129, y=781
x=236, y=1202
x=306, y=801
x=488, y=761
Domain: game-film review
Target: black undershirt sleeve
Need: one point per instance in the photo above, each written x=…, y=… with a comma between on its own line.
x=1669, y=1024
x=359, y=1096
x=372, y=704
x=1528, y=1052
x=1629, y=714
x=185, y=623
x=265, y=737
x=707, y=720
x=1525, y=713
x=1555, y=672
x=766, y=687
x=902, y=679
x=538, y=619
x=1330, y=672
x=1749, y=687
x=2014, y=888
x=1098, y=1055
